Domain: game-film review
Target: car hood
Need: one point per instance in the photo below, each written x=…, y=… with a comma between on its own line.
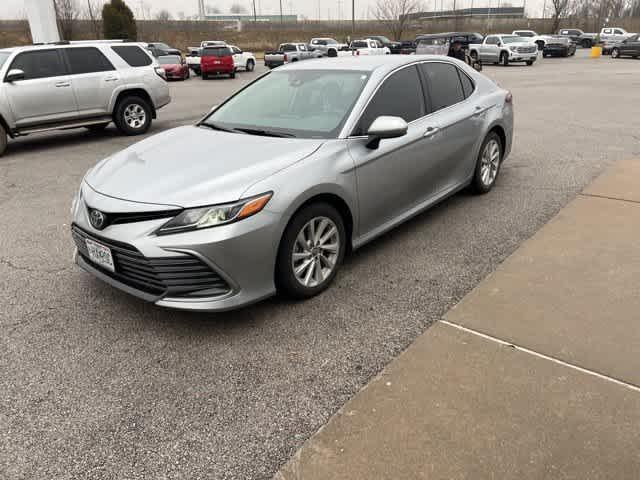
x=520, y=44
x=194, y=166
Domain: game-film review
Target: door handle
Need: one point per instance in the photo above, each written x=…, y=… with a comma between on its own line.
x=111, y=79
x=63, y=84
x=431, y=131
x=480, y=110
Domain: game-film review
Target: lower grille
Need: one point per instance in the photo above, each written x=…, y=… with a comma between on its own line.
x=180, y=276
x=527, y=49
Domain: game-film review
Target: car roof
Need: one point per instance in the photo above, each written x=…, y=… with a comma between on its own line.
x=382, y=63
x=446, y=34
x=48, y=46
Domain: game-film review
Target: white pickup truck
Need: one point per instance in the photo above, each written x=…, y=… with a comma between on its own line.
x=504, y=49
x=611, y=36
x=368, y=46
x=540, y=40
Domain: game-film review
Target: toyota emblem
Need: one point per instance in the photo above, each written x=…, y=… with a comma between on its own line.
x=98, y=219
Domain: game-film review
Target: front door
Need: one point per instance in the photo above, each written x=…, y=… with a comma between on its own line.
x=489, y=50
x=395, y=176
x=46, y=93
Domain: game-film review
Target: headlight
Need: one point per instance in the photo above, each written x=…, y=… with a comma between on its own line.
x=513, y=49
x=215, y=215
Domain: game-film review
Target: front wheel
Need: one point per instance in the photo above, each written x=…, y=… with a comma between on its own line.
x=132, y=115
x=488, y=164
x=474, y=56
x=250, y=65
x=311, y=251
x=615, y=53
x=504, y=59
x=529, y=63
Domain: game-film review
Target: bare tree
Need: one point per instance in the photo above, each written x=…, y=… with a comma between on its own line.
x=163, y=15
x=93, y=14
x=67, y=12
x=560, y=10
x=237, y=8
x=396, y=14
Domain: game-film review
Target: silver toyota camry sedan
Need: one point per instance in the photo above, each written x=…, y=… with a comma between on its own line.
x=269, y=191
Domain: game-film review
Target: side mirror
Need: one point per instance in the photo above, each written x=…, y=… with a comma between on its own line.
x=14, y=75
x=385, y=127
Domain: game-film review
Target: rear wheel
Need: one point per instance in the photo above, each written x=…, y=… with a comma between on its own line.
x=311, y=251
x=332, y=53
x=529, y=62
x=187, y=75
x=132, y=115
x=474, y=56
x=232, y=74
x=250, y=65
x=3, y=140
x=504, y=59
x=488, y=164
x=586, y=43
x=615, y=53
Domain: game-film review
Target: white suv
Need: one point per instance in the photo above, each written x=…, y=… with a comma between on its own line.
x=55, y=86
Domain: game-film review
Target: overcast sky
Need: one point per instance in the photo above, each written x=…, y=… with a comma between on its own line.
x=328, y=8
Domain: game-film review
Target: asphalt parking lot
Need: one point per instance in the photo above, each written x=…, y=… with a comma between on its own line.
x=95, y=384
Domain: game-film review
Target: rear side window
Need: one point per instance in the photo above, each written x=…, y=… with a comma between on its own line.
x=467, y=84
x=400, y=95
x=87, y=60
x=216, y=52
x=39, y=64
x=492, y=41
x=444, y=84
x=133, y=55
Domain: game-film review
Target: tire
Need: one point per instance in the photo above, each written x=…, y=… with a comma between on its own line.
x=474, y=56
x=188, y=75
x=586, y=44
x=318, y=273
x=232, y=74
x=504, y=59
x=332, y=53
x=98, y=127
x=3, y=140
x=204, y=76
x=615, y=53
x=132, y=115
x=482, y=181
x=529, y=63
x=250, y=65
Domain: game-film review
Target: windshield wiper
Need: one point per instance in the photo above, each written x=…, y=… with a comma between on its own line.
x=214, y=126
x=263, y=133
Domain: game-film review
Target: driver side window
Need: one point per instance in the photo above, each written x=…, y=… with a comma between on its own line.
x=400, y=95
x=492, y=41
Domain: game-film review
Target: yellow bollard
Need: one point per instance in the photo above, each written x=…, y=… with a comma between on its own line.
x=595, y=52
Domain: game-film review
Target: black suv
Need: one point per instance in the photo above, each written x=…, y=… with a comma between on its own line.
x=395, y=47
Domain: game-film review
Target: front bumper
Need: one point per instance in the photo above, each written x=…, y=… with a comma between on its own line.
x=242, y=254
x=523, y=57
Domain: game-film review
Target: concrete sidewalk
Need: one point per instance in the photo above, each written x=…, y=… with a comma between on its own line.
x=534, y=375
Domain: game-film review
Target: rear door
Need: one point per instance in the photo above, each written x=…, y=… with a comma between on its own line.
x=46, y=93
x=456, y=119
x=94, y=79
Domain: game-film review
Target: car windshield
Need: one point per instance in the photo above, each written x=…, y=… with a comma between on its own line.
x=3, y=57
x=513, y=39
x=299, y=103
x=383, y=39
x=216, y=52
x=162, y=46
x=169, y=60
x=525, y=34
x=330, y=41
x=433, y=41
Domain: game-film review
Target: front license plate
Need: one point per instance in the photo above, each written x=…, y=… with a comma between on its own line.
x=100, y=255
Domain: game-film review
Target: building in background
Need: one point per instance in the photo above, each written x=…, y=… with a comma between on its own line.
x=248, y=17
x=499, y=12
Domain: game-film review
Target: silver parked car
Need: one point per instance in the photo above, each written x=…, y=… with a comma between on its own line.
x=59, y=86
x=276, y=184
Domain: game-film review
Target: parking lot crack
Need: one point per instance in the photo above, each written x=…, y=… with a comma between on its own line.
x=18, y=268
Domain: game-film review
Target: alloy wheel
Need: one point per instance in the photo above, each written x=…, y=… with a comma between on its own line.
x=490, y=162
x=315, y=252
x=135, y=116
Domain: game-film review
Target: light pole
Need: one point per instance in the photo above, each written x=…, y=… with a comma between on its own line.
x=281, y=18
x=353, y=16
x=255, y=16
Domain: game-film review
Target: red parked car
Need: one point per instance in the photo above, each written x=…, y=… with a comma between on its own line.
x=217, y=60
x=174, y=66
